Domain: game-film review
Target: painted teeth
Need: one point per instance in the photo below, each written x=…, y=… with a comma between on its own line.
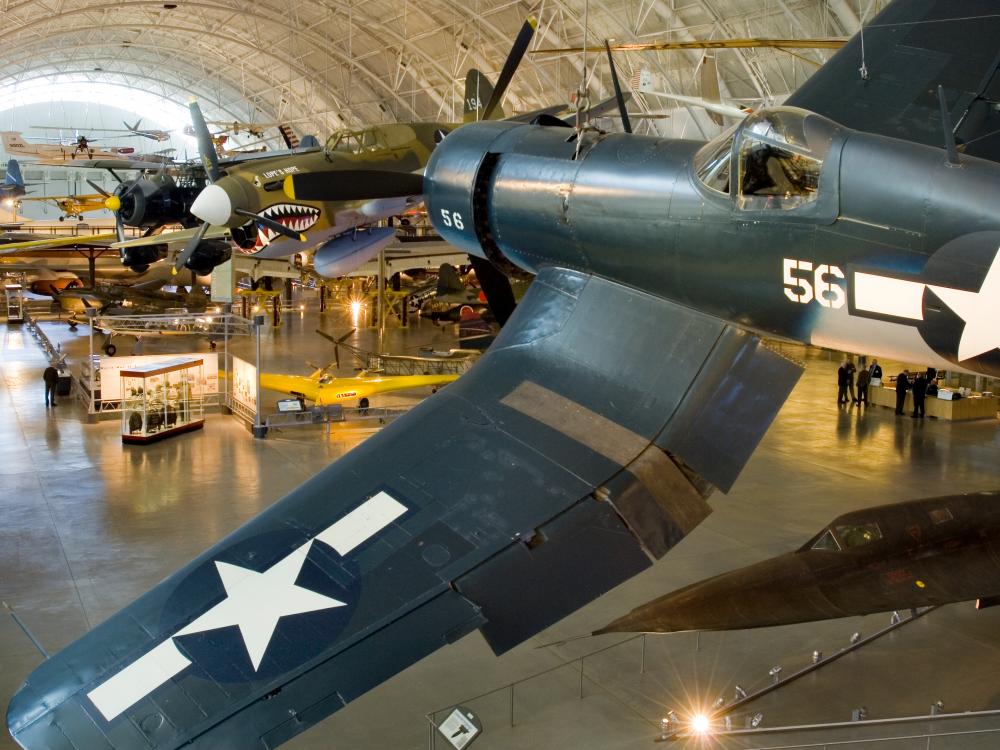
x=297, y=218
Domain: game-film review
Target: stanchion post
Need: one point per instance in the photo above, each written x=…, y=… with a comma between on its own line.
x=259, y=430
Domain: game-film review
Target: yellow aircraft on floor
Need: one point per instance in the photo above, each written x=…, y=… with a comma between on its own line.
x=323, y=389
x=73, y=206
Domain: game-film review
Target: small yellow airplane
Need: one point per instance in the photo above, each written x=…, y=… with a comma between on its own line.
x=73, y=206
x=323, y=389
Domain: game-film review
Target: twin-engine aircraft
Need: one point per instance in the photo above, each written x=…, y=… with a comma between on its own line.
x=862, y=216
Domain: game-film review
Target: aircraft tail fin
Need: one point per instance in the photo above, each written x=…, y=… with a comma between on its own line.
x=478, y=92
x=449, y=280
x=14, y=176
x=13, y=143
x=289, y=136
x=710, y=86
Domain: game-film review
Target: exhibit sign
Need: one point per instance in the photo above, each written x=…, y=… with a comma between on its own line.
x=223, y=282
x=245, y=384
x=461, y=727
x=207, y=384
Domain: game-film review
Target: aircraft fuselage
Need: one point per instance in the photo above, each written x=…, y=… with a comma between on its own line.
x=885, y=254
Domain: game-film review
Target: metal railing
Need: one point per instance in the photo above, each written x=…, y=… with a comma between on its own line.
x=55, y=355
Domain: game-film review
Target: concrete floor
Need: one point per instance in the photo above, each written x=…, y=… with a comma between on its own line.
x=87, y=525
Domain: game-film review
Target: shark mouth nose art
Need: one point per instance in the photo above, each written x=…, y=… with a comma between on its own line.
x=299, y=218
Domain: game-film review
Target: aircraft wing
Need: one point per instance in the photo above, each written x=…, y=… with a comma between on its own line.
x=337, y=390
x=180, y=237
x=84, y=240
x=909, y=49
x=580, y=448
x=105, y=163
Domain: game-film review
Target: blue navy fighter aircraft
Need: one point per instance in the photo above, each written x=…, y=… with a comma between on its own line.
x=628, y=384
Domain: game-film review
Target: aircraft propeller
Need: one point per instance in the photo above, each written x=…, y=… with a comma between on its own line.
x=622, y=111
x=336, y=343
x=208, y=196
x=370, y=184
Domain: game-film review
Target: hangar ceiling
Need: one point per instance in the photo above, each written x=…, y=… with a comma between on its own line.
x=329, y=64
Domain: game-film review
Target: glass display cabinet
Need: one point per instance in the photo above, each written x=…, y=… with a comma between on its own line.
x=160, y=400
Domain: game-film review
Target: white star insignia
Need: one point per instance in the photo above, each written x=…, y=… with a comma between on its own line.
x=980, y=311
x=256, y=601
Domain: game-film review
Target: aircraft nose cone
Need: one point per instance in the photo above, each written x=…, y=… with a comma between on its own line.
x=113, y=203
x=213, y=206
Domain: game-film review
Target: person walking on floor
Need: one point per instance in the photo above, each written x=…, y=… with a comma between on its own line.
x=842, y=384
x=51, y=378
x=919, y=393
x=902, y=385
x=864, y=378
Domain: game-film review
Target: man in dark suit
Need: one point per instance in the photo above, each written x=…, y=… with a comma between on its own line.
x=875, y=371
x=919, y=393
x=51, y=378
x=842, y=377
x=902, y=385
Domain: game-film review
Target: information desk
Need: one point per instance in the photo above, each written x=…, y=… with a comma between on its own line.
x=158, y=400
x=972, y=407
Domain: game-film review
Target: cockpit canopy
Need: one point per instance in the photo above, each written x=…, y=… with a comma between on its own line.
x=354, y=141
x=778, y=155
x=847, y=536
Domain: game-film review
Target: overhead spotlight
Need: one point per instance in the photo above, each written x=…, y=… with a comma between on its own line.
x=775, y=671
x=740, y=693
x=727, y=723
x=817, y=656
x=700, y=724
x=855, y=637
x=895, y=618
x=859, y=714
x=8, y=202
x=754, y=721
x=937, y=707
x=719, y=702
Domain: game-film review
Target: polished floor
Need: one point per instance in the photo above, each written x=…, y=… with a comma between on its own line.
x=86, y=525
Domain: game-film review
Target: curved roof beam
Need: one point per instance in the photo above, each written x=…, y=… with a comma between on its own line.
x=320, y=43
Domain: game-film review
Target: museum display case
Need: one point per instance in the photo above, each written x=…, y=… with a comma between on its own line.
x=159, y=400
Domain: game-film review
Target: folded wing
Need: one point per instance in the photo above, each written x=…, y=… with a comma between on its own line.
x=580, y=448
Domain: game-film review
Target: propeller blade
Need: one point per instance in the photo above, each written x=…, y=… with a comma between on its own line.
x=99, y=189
x=119, y=226
x=496, y=286
x=510, y=66
x=185, y=255
x=352, y=184
x=206, y=148
x=622, y=111
x=274, y=226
